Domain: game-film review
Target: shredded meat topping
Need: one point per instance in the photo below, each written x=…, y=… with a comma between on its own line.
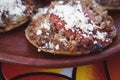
x=58, y=28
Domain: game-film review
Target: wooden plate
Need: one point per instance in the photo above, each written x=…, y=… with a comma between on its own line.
x=14, y=48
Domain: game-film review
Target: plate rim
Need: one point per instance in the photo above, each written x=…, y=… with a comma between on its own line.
x=86, y=59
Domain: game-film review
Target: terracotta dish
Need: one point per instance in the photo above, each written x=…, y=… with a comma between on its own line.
x=14, y=48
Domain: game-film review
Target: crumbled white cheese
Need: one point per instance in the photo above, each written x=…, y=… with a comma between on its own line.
x=101, y=35
x=73, y=16
x=76, y=20
x=13, y=7
x=45, y=25
x=60, y=2
x=57, y=47
x=39, y=32
x=62, y=39
x=95, y=42
x=51, y=45
x=90, y=27
x=47, y=33
x=42, y=10
x=78, y=2
x=39, y=50
x=90, y=32
x=43, y=41
x=84, y=35
x=108, y=40
x=59, y=23
x=45, y=46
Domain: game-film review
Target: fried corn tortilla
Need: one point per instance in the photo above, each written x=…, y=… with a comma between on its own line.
x=78, y=27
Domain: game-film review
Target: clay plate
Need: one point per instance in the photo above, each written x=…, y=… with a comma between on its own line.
x=14, y=48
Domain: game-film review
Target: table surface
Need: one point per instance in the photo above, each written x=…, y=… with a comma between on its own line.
x=107, y=70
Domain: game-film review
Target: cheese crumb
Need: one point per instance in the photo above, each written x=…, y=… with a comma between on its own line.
x=39, y=32
x=62, y=39
x=51, y=45
x=95, y=42
x=39, y=50
x=101, y=35
x=45, y=25
x=43, y=10
x=57, y=47
x=60, y=2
